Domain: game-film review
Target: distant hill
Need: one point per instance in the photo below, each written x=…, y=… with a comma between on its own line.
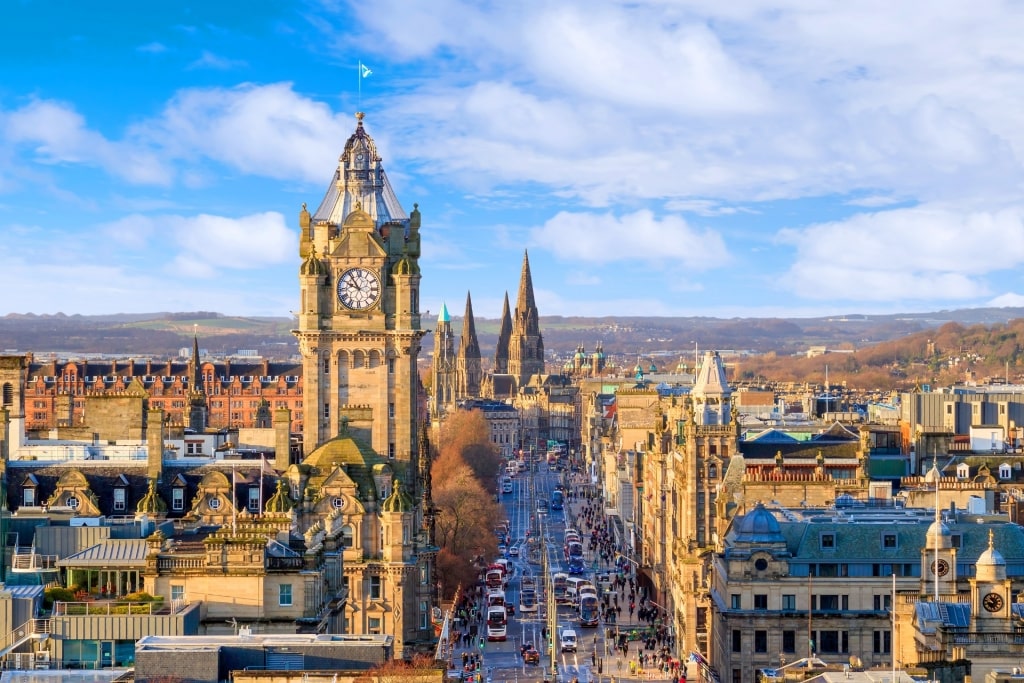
x=623, y=337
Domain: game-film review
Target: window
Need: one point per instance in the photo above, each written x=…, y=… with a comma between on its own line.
x=889, y=541
x=829, y=602
x=373, y=625
x=391, y=411
x=789, y=602
x=178, y=499
x=327, y=411
x=177, y=591
x=882, y=642
x=28, y=497
x=760, y=641
x=789, y=641
x=883, y=602
x=828, y=541
x=737, y=640
x=423, y=614
x=735, y=601
x=761, y=601
x=347, y=538
x=327, y=365
x=712, y=472
x=194, y=447
x=214, y=503
x=832, y=642
x=72, y=502
x=284, y=595
x=391, y=366
x=375, y=588
x=119, y=499
x=391, y=450
x=254, y=498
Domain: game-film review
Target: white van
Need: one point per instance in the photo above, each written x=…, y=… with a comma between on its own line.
x=568, y=640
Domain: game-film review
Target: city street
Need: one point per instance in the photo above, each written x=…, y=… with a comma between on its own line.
x=595, y=658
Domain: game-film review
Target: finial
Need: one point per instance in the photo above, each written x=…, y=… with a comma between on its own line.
x=304, y=206
x=991, y=540
x=359, y=117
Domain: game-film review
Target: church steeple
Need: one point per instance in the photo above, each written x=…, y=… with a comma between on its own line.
x=526, y=346
x=443, y=368
x=504, y=335
x=468, y=368
x=196, y=394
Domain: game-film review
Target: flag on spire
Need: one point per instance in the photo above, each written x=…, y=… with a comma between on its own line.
x=364, y=70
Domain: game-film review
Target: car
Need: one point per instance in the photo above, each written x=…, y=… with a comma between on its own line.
x=568, y=640
x=514, y=551
x=501, y=550
x=510, y=609
x=530, y=654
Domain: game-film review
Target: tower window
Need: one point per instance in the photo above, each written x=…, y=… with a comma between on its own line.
x=391, y=449
x=327, y=411
x=327, y=365
x=391, y=366
x=391, y=411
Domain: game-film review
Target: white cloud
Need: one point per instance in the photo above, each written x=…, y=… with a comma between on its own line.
x=1007, y=300
x=209, y=60
x=267, y=131
x=154, y=48
x=920, y=253
x=635, y=237
x=58, y=135
x=204, y=244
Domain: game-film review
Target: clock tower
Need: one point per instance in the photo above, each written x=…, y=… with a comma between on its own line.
x=359, y=324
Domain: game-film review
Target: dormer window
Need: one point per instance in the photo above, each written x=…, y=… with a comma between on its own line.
x=28, y=496
x=177, y=499
x=72, y=502
x=215, y=503
x=119, y=499
x=963, y=471
x=827, y=541
x=1005, y=471
x=254, y=498
x=889, y=541
x=337, y=502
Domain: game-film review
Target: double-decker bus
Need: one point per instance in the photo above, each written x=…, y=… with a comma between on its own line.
x=528, y=600
x=560, y=581
x=589, y=610
x=497, y=623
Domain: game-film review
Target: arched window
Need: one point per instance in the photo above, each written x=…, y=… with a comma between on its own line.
x=347, y=536
x=963, y=471
x=712, y=471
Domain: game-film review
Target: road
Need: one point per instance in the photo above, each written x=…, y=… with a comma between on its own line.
x=502, y=661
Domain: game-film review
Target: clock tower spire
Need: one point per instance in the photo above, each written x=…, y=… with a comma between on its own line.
x=359, y=328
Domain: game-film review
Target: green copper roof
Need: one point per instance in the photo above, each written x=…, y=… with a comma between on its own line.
x=443, y=316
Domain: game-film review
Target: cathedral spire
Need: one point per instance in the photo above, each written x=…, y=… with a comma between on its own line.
x=469, y=371
x=526, y=346
x=504, y=334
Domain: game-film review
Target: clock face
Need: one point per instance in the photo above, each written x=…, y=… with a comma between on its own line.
x=940, y=567
x=993, y=602
x=358, y=289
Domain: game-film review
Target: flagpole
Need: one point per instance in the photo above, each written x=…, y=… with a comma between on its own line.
x=359, y=86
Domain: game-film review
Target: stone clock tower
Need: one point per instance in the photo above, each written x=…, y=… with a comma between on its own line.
x=359, y=324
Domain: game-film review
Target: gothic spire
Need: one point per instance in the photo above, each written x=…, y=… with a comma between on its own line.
x=504, y=334
x=525, y=301
x=526, y=346
x=469, y=346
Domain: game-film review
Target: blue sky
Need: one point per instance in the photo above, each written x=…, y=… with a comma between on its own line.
x=656, y=157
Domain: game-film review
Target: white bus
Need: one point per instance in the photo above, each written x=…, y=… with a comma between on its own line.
x=528, y=600
x=497, y=623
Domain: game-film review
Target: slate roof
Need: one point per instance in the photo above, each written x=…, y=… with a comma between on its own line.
x=133, y=478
